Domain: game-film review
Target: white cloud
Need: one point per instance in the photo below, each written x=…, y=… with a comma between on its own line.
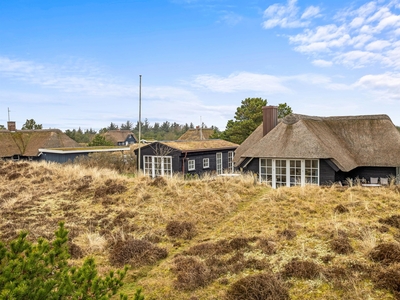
x=243, y=81
x=310, y=12
x=323, y=38
x=322, y=63
x=168, y=92
x=354, y=37
x=18, y=68
x=385, y=87
x=63, y=78
x=377, y=45
x=88, y=82
x=360, y=40
x=387, y=80
x=389, y=21
x=287, y=16
x=357, y=22
x=315, y=79
x=357, y=59
x=231, y=18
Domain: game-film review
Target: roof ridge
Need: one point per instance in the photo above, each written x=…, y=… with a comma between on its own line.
x=293, y=118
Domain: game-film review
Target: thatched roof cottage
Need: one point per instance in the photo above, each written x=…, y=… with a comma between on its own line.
x=25, y=144
x=197, y=134
x=302, y=149
x=120, y=137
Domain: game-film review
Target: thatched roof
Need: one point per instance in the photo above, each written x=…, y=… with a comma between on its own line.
x=247, y=144
x=116, y=136
x=28, y=142
x=350, y=142
x=197, y=134
x=202, y=145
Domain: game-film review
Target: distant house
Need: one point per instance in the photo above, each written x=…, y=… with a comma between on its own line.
x=25, y=144
x=302, y=150
x=197, y=134
x=187, y=157
x=44, y=144
x=62, y=155
x=120, y=137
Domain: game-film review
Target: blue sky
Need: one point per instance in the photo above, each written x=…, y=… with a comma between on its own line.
x=76, y=63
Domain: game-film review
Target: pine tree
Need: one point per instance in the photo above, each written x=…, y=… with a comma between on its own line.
x=41, y=271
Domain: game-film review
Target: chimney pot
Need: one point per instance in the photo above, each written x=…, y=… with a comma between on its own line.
x=11, y=126
x=270, y=118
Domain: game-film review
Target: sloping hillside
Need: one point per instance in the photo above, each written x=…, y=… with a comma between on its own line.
x=216, y=238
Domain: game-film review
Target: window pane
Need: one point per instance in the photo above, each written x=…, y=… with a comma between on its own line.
x=308, y=163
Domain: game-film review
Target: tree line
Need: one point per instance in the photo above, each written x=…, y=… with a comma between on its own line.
x=247, y=118
x=157, y=131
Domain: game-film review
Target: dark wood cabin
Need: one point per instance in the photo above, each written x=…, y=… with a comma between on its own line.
x=63, y=155
x=120, y=137
x=302, y=150
x=187, y=157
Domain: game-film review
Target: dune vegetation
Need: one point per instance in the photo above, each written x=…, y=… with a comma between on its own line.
x=215, y=237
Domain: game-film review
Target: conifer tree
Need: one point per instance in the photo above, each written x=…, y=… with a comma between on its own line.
x=41, y=271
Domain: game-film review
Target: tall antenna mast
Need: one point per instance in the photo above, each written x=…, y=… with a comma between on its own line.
x=140, y=119
x=8, y=114
x=201, y=129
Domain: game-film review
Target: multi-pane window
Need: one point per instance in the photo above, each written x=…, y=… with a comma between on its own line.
x=266, y=170
x=280, y=173
x=157, y=165
x=219, y=162
x=295, y=172
x=289, y=172
x=206, y=163
x=230, y=161
x=191, y=165
x=311, y=171
x=148, y=165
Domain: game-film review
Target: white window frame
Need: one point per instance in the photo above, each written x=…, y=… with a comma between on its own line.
x=219, y=166
x=289, y=172
x=157, y=165
x=397, y=175
x=230, y=162
x=191, y=165
x=206, y=163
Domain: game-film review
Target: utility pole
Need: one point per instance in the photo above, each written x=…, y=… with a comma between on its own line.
x=201, y=129
x=8, y=114
x=140, y=119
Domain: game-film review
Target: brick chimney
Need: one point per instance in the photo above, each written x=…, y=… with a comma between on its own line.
x=11, y=125
x=270, y=118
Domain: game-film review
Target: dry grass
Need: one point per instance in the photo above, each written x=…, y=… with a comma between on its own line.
x=215, y=237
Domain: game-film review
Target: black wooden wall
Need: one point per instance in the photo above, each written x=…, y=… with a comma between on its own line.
x=61, y=158
x=327, y=174
x=180, y=159
x=211, y=155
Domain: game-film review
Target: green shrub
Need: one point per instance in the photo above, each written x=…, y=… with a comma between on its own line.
x=41, y=271
x=122, y=163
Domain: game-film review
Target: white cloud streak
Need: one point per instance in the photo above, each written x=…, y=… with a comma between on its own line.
x=385, y=87
x=322, y=63
x=243, y=81
x=287, y=16
x=355, y=38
